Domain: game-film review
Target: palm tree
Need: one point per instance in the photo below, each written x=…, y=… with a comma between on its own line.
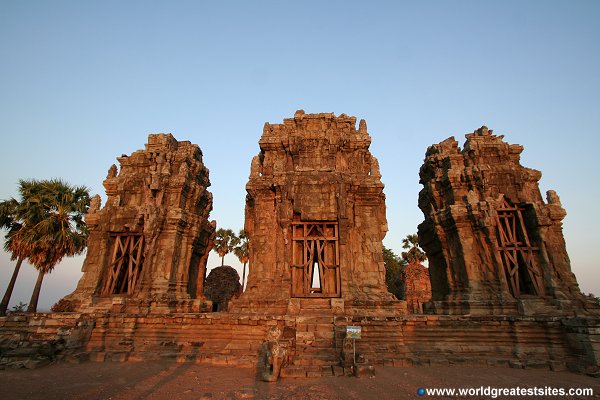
x=47, y=226
x=61, y=232
x=242, y=252
x=224, y=241
x=9, y=210
x=414, y=254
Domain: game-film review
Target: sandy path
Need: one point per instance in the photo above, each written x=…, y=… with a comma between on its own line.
x=164, y=380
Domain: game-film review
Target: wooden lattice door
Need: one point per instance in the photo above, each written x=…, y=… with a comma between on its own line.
x=126, y=263
x=315, y=264
x=517, y=252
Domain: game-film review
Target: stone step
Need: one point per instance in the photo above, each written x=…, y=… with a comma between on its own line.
x=537, y=306
x=296, y=371
x=316, y=312
x=315, y=340
x=316, y=359
x=315, y=304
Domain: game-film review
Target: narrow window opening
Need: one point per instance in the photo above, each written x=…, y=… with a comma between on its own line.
x=316, y=279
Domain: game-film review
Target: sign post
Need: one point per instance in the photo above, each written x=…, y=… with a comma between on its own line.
x=353, y=332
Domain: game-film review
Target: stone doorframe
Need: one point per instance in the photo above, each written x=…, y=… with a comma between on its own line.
x=315, y=250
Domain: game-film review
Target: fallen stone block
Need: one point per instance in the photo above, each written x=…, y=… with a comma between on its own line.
x=33, y=364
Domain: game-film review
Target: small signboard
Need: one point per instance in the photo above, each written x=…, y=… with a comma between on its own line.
x=353, y=332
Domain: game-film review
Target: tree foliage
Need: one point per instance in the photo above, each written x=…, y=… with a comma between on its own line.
x=414, y=254
x=394, y=266
x=242, y=251
x=222, y=283
x=9, y=220
x=225, y=240
x=19, y=308
x=45, y=226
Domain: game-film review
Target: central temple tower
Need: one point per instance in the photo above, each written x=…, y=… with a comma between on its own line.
x=316, y=218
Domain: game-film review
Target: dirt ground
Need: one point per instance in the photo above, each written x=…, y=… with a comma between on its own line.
x=165, y=380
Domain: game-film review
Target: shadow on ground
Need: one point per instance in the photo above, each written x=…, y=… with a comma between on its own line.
x=167, y=380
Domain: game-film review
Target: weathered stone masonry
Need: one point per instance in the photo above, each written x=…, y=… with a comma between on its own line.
x=503, y=290
x=316, y=216
x=555, y=343
x=494, y=246
x=149, y=244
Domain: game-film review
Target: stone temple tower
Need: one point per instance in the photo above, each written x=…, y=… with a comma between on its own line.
x=149, y=244
x=494, y=245
x=316, y=217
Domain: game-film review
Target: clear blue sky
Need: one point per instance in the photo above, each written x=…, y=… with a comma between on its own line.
x=84, y=82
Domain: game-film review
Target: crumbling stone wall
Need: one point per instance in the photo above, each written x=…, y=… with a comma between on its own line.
x=483, y=211
x=315, y=168
x=149, y=244
x=417, y=287
x=35, y=340
x=556, y=343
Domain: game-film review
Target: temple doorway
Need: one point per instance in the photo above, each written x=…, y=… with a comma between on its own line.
x=315, y=259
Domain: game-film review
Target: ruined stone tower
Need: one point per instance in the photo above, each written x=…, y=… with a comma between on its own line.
x=149, y=244
x=316, y=217
x=494, y=245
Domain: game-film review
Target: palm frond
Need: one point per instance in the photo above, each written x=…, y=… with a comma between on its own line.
x=47, y=224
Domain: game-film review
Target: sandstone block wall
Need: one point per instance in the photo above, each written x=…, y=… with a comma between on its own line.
x=314, y=343
x=34, y=340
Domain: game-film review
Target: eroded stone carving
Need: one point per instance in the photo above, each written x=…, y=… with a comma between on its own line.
x=315, y=215
x=150, y=242
x=95, y=204
x=112, y=172
x=274, y=353
x=494, y=246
